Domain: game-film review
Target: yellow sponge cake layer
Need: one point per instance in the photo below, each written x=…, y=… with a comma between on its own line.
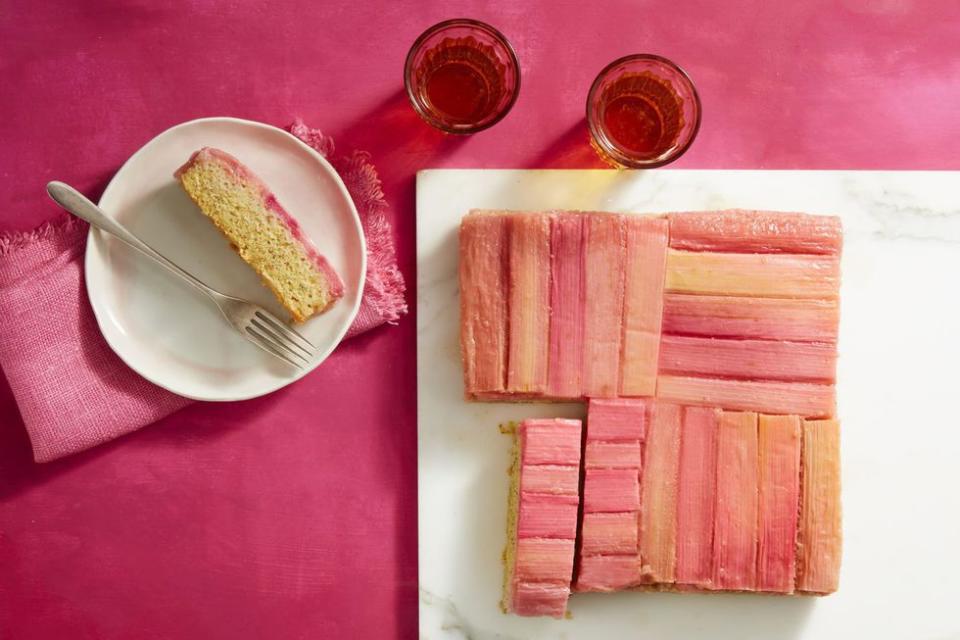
x=261, y=231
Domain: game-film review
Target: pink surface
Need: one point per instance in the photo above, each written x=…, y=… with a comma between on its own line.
x=295, y=514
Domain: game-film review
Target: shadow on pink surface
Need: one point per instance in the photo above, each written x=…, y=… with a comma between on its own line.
x=399, y=143
x=571, y=150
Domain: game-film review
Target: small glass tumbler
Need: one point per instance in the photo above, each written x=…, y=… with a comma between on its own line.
x=643, y=112
x=462, y=76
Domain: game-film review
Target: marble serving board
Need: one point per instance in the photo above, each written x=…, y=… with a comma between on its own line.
x=898, y=378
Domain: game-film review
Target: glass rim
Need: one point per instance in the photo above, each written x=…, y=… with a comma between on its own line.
x=600, y=139
x=416, y=102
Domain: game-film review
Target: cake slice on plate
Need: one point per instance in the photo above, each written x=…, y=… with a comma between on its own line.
x=261, y=231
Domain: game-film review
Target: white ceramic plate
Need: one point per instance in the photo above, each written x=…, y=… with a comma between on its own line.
x=165, y=330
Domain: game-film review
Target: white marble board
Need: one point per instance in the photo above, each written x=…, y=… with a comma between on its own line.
x=897, y=393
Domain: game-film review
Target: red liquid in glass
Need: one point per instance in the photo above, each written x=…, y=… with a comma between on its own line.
x=462, y=81
x=459, y=92
x=642, y=114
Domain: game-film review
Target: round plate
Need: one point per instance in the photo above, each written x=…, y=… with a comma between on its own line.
x=164, y=329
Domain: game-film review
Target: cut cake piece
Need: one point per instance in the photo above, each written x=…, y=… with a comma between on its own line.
x=611, y=498
x=542, y=525
x=607, y=572
x=820, y=535
x=261, y=231
x=611, y=490
x=609, y=533
x=612, y=455
x=746, y=231
x=483, y=301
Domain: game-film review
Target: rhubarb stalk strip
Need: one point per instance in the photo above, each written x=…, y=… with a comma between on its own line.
x=737, y=507
x=820, y=537
x=566, y=306
x=779, y=446
x=753, y=274
x=745, y=317
x=529, y=303
x=609, y=533
x=603, y=295
x=769, y=396
x=696, y=496
x=645, y=266
x=749, y=359
x=483, y=301
x=607, y=572
x=610, y=490
x=744, y=231
x=617, y=420
x=658, y=495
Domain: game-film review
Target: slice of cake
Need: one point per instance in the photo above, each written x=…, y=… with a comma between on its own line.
x=261, y=231
x=542, y=518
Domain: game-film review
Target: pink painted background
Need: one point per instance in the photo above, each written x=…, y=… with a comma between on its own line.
x=295, y=515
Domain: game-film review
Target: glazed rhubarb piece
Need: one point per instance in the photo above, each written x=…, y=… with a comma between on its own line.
x=542, y=520
x=749, y=359
x=603, y=303
x=549, y=478
x=261, y=231
x=542, y=560
x=607, y=572
x=696, y=496
x=820, y=537
x=547, y=515
x=566, y=306
x=769, y=396
x=550, y=441
x=609, y=533
x=540, y=599
x=737, y=506
x=612, y=455
x=529, y=303
x=617, y=420
x=658, y=495
x=645, y=266
x=483, y=301
x=744, y=231
x=609, y=490
x=779, y=446
x=746, y=317
x=753, y=274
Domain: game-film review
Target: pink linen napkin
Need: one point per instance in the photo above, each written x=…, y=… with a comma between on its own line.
x=73, y=392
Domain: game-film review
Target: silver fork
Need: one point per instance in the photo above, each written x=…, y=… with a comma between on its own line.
x=254, y=323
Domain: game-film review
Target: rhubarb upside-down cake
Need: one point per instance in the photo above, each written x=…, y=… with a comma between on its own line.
x=705, y=346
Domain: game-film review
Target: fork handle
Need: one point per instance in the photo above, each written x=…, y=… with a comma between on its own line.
x=77, y=204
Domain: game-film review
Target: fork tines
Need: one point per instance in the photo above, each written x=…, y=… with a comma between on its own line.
x=272, y=335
